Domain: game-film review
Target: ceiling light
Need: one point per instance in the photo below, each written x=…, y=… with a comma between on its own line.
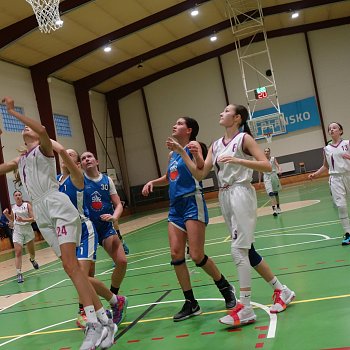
x=194, y=12
x=295, y=14
x=107, y=49
x=213, y=38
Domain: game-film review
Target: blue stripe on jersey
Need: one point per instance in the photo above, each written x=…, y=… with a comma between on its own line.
x=75, y=195
x=181, y=181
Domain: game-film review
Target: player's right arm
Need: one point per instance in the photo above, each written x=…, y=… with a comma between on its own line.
x=148, y=188
x=10, y=217
x=7, y=167
x=320, y=171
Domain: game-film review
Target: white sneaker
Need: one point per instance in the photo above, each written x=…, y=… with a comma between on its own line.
x=239, y=315
x=94, y=334
x=112, y=329
x=281, y=298
x=278, y=210
x=274, y=212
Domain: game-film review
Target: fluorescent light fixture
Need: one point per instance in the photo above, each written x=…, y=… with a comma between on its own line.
x=194, y=12
x=213, y=38
x=295, y=14
x=107, y=49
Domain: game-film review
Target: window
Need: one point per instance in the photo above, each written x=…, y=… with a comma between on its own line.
x=62, y=125
x=11, y=123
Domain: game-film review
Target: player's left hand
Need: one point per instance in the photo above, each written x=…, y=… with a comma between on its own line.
x=228, y=159
x=346, y=156
x=107, y=217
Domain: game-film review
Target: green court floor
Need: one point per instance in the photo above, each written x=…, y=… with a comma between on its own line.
x=302, y=246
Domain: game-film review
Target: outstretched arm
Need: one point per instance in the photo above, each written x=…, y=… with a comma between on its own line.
x=148, y=188
x=45, y=142
x=7, y=167
x=76, y=174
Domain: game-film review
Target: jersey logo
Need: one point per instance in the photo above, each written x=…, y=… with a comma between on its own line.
x=173, y=172
x=96, y=201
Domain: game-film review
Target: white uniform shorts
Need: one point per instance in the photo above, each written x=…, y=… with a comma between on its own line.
x=23, y=234
x=340, y=189
x=58, y=220
x=272, y=183
x=239, y=209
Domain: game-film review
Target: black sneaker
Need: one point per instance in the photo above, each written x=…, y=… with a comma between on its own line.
x=34, y=263
x=188, y=310
x=229, y=295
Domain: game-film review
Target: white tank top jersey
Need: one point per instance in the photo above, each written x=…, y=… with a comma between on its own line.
x=21, y=211
x=38, y=173
x=229, y=174
x=334, y=156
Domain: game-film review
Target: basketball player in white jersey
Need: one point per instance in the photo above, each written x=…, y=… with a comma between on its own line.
x=272, y=182
x=336, y=159
x=233, y=160
x=56, y=216
x=22, y=216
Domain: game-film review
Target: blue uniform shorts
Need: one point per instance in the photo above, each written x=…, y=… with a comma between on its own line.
x=88, y=242
x=185, y=208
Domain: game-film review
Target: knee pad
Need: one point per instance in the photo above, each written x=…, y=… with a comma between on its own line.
x=177, y=262
x=275, y=194
x=203, y=262
x=254, y=257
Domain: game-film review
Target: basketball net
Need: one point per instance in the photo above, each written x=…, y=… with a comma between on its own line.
x=47, y=14
x=268, y=137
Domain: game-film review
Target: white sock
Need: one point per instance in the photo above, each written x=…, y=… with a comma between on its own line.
x=18, y=271
x=101, y=315
x=276, y=284
x=244, y=297
x=114, y=300
x=90, y=314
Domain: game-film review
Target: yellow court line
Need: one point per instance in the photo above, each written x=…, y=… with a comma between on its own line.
x=170, y=318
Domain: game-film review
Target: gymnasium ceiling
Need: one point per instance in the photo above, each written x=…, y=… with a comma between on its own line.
x=159, y=35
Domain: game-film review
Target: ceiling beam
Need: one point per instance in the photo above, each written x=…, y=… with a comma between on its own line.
x=24, y=26
x=96, y=78
x=65, y=58
x=138, y=84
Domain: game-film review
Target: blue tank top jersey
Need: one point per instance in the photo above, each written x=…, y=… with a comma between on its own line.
x=75, y=195
x=98, y=201
x=181, y=181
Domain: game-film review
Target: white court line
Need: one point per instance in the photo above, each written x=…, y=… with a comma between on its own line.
x=35, y=293
x=37, y=330
x=271, y=333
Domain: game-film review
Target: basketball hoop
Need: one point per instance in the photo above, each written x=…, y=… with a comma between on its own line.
x=268, y=137
x=47, y=14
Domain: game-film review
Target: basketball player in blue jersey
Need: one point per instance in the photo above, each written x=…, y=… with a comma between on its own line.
x=232, y=158
x=71, y=182
x=56, y=216
x=188, y=216
x=105, y=208
x=336, y=159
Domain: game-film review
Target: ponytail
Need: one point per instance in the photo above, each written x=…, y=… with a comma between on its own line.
x=204, y=149
x=246, y=129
